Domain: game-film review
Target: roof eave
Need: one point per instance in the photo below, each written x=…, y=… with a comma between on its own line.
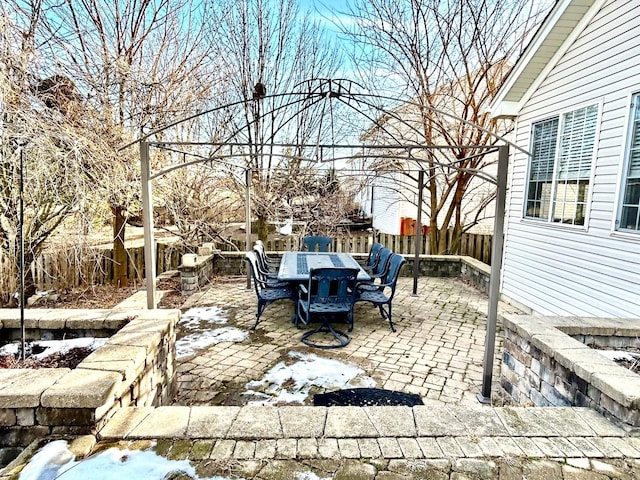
x=550, y=42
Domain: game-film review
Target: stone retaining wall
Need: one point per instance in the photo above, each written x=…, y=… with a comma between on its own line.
x=232, y=263
x=546, y=363
x=192, y=277
x=135, y=367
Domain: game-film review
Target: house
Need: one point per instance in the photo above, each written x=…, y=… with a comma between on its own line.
x=572, y=228
x=392, y=194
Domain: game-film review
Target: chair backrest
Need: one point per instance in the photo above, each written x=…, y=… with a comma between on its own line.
x=383, y=262
x=258, y=282
x=332, y=285
x=391, y=278
x=374, y=253
x=258, y=249
x=317, y=244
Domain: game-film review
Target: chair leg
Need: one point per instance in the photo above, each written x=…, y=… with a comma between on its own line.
x=261, y=307
x=393, y=329
x=326, y=327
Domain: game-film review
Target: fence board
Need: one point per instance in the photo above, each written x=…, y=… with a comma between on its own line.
x=64, y=269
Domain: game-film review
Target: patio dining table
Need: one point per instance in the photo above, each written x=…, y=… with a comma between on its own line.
x=295, y=266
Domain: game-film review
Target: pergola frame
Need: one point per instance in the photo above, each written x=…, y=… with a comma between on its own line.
x=337, y=91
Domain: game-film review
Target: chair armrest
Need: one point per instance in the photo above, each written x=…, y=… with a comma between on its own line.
x=302, y=292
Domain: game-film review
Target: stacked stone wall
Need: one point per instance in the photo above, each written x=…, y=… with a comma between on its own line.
x=542, y=365
x=135, y=367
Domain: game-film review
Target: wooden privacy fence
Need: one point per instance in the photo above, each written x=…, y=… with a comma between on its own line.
x=474, y=245
x=57, y=270
x=74, y=267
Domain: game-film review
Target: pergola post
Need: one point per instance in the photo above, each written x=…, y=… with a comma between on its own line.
x=147, y=221
x=496, y=265
x=418, y=240
x=248, y=175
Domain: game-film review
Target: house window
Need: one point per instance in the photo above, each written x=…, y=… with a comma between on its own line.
x=630, y=208
x=560, y=168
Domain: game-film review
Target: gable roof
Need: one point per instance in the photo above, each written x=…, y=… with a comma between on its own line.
x=559, y=30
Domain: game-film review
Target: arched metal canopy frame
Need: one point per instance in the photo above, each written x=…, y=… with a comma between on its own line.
x=342, y=90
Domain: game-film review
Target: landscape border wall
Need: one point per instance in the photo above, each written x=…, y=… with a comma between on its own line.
x=194, y=277
x=547, y=361
x=134, y=367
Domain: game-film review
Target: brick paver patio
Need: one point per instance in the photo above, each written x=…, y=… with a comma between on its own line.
x=436, y=352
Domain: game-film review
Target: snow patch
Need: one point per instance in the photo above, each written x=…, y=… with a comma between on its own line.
x=310, y=476
x=198, y=316
x=194, y=342
x=54, y=346
x=196, y=332
x=620, y=355
x=292, y=383
x=55, y=461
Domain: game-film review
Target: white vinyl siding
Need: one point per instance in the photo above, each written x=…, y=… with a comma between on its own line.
x=568, y=151
x=630, y=208
x=388, y=204
x=553, y=268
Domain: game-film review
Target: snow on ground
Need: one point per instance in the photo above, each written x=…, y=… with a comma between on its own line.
x=292, y=383
x=196, y=330
x=54, y=346
x=310, y=476
x=55, y=461
x=620, y=355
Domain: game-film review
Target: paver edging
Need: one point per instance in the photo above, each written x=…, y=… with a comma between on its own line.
x=81, y=401
x=544, y=365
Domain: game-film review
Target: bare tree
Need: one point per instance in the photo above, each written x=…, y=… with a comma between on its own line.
x=47, y=138
x=271, y=48
x=447, y=57
x=138, y=65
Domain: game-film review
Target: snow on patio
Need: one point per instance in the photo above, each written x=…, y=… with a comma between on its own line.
x=195, y=332
x=292, y=383
x=56, y=461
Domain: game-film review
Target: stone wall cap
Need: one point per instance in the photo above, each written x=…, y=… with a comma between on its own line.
x=82, y=389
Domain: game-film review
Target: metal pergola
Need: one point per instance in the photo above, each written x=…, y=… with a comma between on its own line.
x=343, y=91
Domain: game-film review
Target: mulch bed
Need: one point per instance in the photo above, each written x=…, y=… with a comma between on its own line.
x=96, y=296
x=70, y=359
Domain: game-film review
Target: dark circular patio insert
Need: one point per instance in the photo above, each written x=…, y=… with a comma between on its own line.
x=366, y=397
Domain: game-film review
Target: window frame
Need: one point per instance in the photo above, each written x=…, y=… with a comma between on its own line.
x=633, y=99
x=561, y=118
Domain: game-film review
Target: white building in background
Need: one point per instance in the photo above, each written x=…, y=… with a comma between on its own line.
x=572, y=242
x=388, y=206
x=391, y=197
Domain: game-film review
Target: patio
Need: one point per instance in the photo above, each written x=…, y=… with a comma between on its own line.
x=436, y=352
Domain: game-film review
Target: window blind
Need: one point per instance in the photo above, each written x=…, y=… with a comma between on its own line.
x=577, y=141
x=544, y=150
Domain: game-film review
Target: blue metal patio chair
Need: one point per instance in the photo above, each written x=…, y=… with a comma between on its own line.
x=329, y=295
x=271, y=263
x=266, y=269
x=266, y=293
x=374, y=255
x=317, y=244
x=380, y=269
x=382, y=294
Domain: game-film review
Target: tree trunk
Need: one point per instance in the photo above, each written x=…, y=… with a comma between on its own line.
x=262, y=227
x=30, y=286
x=120, y=263
x=456, y=238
